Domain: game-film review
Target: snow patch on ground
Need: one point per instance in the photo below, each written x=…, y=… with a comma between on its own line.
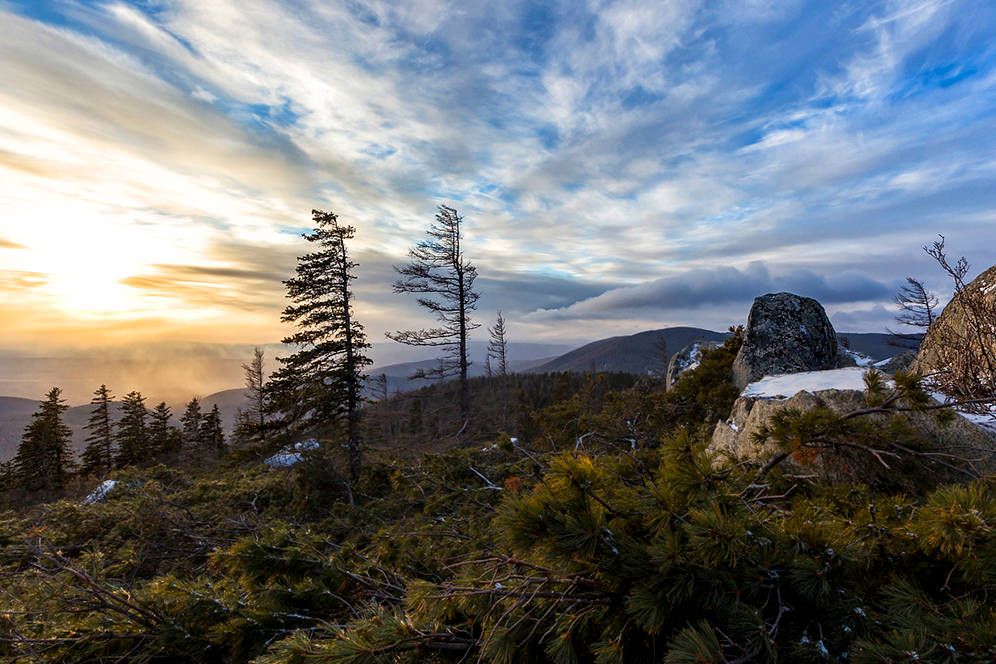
x=98, y=494
x=986, y=421
x=287, y=458
x=783, y=386
x=282, y=460
x=859, y=358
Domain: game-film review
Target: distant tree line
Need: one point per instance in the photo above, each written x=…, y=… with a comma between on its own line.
x=45, y=461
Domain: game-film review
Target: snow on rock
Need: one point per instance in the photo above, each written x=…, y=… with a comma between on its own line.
x=286, y=458
x=851, y=358
x=985, y=420
x=282, y=460
x=100, y=493
x=782, y=386
x=687, y=359
x=785, y=333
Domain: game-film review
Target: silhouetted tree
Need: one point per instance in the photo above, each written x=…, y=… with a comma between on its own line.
x=212, y=433
x=498, y=351
x=255, y=389
x=191, y=425
x=322, y=383
x=132, y=434
x=44, y=460
x=445, y=280
x=164, y=437
x=98, y=457
x=917, y=309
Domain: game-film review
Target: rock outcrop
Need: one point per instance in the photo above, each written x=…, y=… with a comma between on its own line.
x=785, y=333
x=734, y=438
x=686, y=359
x=900, y=362
x=962, y=341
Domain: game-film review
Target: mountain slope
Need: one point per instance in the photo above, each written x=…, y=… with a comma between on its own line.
x=632, y=354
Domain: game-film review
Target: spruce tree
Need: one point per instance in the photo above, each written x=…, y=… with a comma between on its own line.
x=255, y=394
x=164, y=438
x=498, y=350
x=321, y=384
x=43, y=460
x=133, y=435
x=212, y=433
x=191, y=423
x=444, y=279
x=98, y=457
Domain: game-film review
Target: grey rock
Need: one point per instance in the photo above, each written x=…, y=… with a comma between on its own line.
x=686, y=359
x=785, y=333
x=897, y=363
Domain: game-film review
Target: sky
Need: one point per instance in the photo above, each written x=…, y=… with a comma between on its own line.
x=620, y=165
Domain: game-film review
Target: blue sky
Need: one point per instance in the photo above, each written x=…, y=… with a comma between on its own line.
x=621, y=165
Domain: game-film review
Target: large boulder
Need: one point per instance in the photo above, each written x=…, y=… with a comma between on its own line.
x=961, y=344
x=839, y=390
x=785, y=333
x=687, y=359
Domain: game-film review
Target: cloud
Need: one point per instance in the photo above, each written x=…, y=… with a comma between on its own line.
x=718, y=286
x=876, y=317
x=8, y=244
x=11, y=280
x=626, y=158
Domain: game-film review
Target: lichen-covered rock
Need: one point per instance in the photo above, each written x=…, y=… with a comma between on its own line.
x=687, y=359
x=785, y=333
x=962, y=341
x=733, y=439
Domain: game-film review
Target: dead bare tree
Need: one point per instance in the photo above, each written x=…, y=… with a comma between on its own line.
x=443, y=277
x=965, y=338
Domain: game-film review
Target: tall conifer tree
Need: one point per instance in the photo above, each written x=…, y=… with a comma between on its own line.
x=498, y=350
x=322, y=383
x=164, y=438
x=44, y=460
x=98, y=457
x=191, y=422
x=445, y=280
x=213, y=433
x=133, y=435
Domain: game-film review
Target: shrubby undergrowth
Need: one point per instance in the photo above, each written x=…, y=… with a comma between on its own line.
x=610, y=535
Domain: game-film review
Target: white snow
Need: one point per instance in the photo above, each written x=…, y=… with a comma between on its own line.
x=786, y=385
x=287, y=458
x=861, y=359
x=987, y=421
x=282, y=460
x=99, y=493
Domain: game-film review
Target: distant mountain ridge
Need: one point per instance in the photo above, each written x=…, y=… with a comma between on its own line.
x=634, y=353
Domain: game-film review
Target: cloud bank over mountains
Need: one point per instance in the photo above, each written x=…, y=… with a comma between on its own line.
x=627, y=164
